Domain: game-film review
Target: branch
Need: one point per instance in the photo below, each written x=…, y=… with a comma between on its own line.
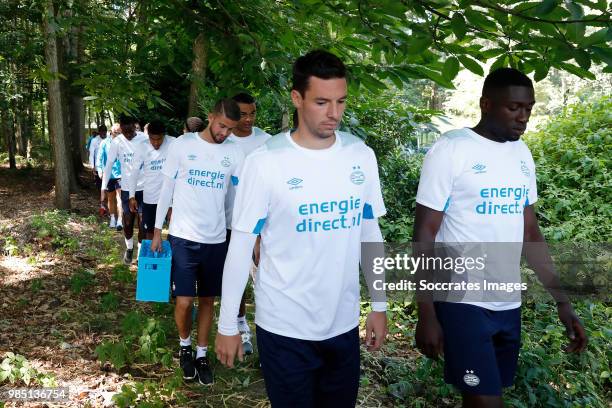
x=537, y=19
x=197, y=16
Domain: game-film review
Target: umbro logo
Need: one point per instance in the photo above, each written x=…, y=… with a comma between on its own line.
x=192, y=157
x=357, y=176
x=295, y=183
x=479, y=168
x=525, y=169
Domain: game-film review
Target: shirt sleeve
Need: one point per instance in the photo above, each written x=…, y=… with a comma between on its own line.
x=137, y=167
x=171, y=166
x=110, y=159
x=532, y=195
x=92, y=151
x=230, y=197
x=101, y=159
x=374, y=205
x=436, y=182
x=252, y=201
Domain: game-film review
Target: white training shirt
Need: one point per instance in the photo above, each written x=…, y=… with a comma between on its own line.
x=251, y=142
x=150, y=162
x=308, y=206
x=247, y=144
x=203, y=172
x=123, y=149
x=482, y=186
x=93, y=150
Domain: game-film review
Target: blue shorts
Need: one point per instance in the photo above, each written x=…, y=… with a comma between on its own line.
x=125, y=201
x=310, y=374
x=481, y=347
x=113, y=184
x=197, y=269
x=148, y=217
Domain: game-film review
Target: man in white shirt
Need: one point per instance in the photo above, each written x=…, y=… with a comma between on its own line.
x=113, y=187
x=93, y=152
x=122, y=148
x=248, y=138
x=314, y=195
x=478, y=186
x=199, y=171
x=150, y=157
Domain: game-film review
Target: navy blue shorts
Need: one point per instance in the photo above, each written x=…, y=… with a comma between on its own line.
x=481, y=347
x=148, y=217
x=125, y=201
x=197, y=269
x=310, y=374
x=113, y=184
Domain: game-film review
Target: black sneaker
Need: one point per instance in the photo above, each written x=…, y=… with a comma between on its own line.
x=205, y=375
x=186, y=355
x=127, y=257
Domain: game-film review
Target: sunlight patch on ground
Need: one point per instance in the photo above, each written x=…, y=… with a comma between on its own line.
x=17, y=269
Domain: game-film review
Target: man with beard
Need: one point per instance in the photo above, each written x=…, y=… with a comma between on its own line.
x=199, y=170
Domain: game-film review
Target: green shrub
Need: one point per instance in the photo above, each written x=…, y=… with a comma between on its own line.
x=16, y=369
x=572, y=157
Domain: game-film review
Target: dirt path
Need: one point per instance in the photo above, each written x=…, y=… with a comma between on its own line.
x=63, y=292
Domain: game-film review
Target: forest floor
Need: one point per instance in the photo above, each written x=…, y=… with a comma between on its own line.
x=67, y=305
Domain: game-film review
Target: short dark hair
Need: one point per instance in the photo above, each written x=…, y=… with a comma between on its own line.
x=318, y=63
x=503, y=78
x=156, y=127
x=228, y=108
x=102, y=128
x=194, y=124
x=243, y=97
x=127, y=120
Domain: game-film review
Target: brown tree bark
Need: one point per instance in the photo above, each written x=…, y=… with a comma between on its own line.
x=198, y=72
x=9, y=136
x=62, y=160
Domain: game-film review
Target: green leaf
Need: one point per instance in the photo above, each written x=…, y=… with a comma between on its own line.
x=576, y=31
x=478, y=19
x=595, y=38
x=418, y=44
x=573, y=69
x=546, y=7
x=541, y=71
x=451, y=68
x=605, y=54
x=583, y=59
x=500, y=63
x=434, y=76
x=493, y=52
x=471, y=64
x=458, y=25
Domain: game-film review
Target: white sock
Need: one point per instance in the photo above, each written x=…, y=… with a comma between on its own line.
x=201, y=351
x=129, y=243
x=112, y=220
x=185, y=342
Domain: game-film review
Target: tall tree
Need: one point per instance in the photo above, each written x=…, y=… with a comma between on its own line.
x=198, y=72
x=56, y=117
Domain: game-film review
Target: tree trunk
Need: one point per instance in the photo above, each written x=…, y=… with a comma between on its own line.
x=8, y=136
x=19, y=131
x=43, y=122
x=198, y=72
x=56, y=117
x=285, y=121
